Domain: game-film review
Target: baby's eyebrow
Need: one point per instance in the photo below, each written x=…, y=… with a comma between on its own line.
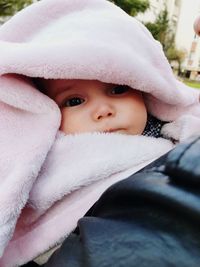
x=61, y=90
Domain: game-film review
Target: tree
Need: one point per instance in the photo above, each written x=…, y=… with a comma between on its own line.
x=10, y=7
x=132, y=7
x=176, y=55
x=161, y=31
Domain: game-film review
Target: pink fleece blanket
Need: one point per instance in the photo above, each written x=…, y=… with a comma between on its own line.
x=80, y=39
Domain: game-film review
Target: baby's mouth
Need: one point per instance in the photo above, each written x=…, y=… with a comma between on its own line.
x=114, y=130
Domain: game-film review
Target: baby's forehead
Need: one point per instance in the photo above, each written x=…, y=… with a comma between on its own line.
x=57, y=83
x=56, y=86
x=53, y=87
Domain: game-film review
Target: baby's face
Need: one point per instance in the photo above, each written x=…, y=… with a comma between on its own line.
x=94, y=106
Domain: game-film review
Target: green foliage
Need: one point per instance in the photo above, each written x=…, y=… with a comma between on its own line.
x=194, y=84
x=132, y=7
x=175, y=54
x=160, y=29
x=10, y=7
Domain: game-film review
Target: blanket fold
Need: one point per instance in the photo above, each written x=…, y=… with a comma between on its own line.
x=23, y=150
x=75, y=173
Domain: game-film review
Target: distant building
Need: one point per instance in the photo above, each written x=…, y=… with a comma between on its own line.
x=182, y=14
x=186, y=38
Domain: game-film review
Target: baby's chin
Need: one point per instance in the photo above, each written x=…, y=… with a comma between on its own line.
x=117, y=131
x=108, y=131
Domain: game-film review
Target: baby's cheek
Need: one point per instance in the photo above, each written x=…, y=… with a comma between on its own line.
x=64, y=121
x=138, y=118
x=71, y=121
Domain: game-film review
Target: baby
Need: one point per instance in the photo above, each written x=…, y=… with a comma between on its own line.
x=87, y=98
x=94, y=106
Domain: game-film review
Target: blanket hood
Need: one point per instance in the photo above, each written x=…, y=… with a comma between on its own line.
x=79, y=39
x=93, y=39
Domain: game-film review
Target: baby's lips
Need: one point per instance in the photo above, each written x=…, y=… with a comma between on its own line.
x=197, y=25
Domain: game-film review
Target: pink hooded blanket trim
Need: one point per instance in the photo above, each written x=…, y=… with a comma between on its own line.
x=28, y=124
x=92, y=39
x=64, y=39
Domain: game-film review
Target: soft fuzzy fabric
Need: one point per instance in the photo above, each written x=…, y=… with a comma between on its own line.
x=79, y=39
x=85, y=165
x=92, y=39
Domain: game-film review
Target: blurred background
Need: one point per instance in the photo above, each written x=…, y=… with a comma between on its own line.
x=170, y=22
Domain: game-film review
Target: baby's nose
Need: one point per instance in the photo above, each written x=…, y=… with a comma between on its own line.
x=103, y=111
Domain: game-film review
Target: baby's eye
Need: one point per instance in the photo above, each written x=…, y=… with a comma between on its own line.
x=73, y=101
x=120, y=89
